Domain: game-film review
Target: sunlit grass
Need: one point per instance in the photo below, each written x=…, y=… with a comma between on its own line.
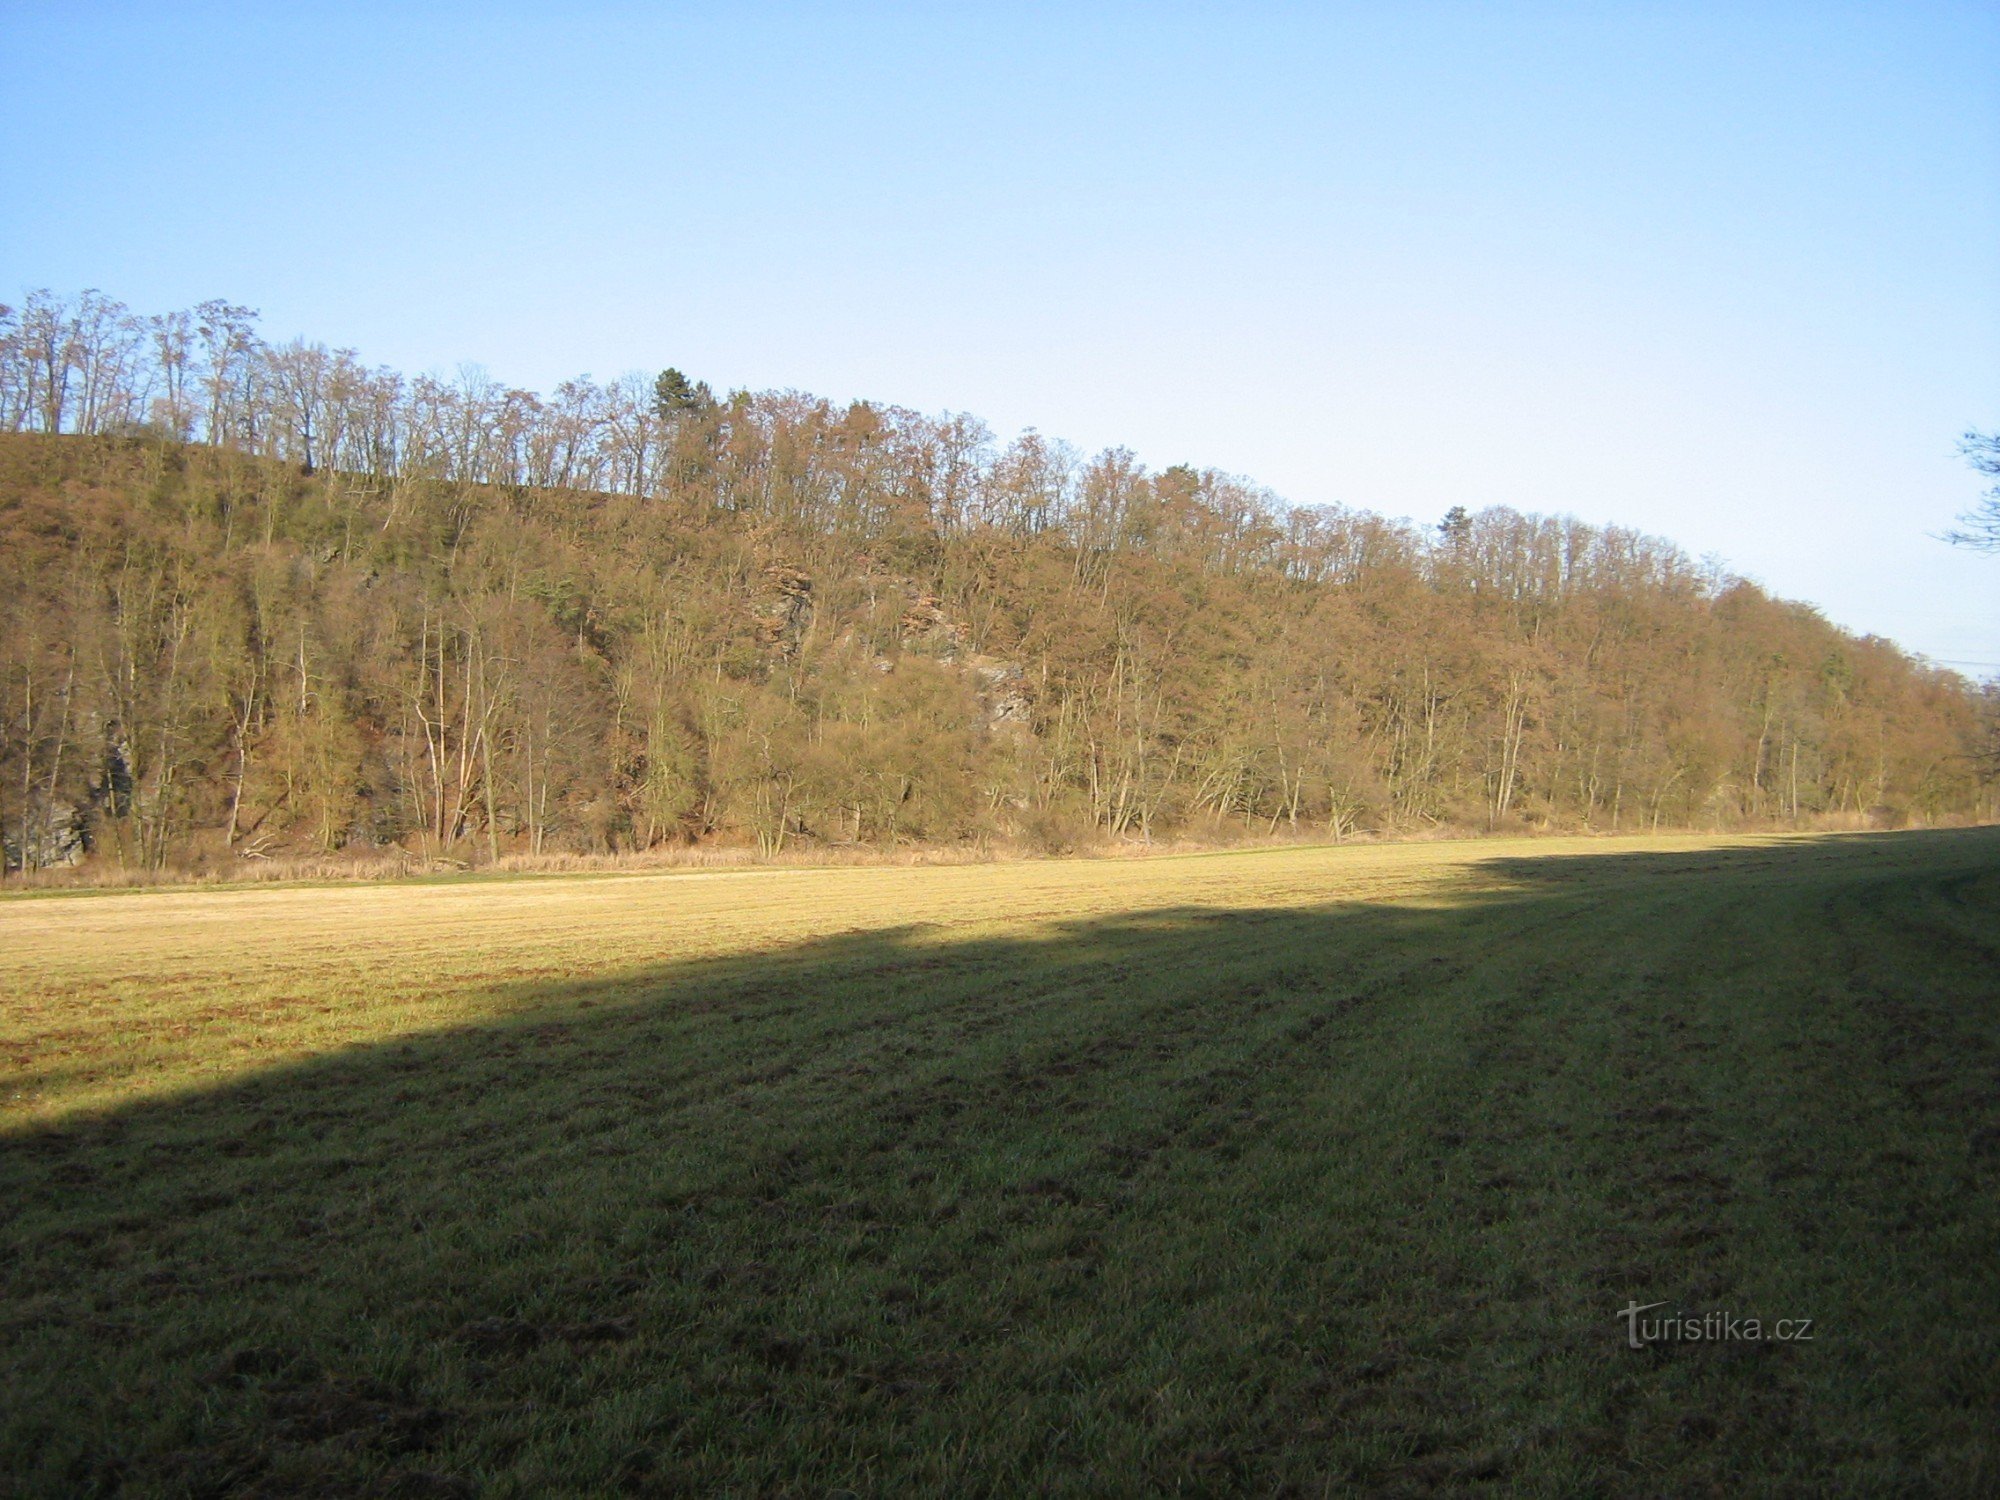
x=115, y=996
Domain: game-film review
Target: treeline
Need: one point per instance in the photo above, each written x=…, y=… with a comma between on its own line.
x=260, y=598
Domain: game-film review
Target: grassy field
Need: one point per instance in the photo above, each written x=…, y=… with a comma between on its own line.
x=1297, y=1172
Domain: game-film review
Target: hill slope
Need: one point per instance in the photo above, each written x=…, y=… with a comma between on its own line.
x=205, y=651
x=261, y=598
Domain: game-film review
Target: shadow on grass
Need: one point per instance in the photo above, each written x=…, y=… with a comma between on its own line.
x=1257, y=1199
x=1788, y=857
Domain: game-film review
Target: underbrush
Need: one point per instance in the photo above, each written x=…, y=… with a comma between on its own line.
x=216, y=867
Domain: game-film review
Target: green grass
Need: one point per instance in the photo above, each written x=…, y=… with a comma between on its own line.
x=1296, y=1172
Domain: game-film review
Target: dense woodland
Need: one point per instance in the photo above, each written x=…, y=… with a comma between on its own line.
x=261, y=599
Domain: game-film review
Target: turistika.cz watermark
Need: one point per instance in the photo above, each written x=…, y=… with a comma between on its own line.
x=1709, y=1328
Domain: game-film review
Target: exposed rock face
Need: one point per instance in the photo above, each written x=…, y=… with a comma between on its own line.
x=784, y=621
x=1003, y=689
x=925, y=624
x=54, y=836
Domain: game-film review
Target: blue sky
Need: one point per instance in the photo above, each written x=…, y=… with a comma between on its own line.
x=1729, y=273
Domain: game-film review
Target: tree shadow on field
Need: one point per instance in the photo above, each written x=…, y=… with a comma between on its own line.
x=1191, y=1198
x=1788, y=858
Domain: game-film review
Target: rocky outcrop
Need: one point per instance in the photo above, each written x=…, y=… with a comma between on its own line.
x=787, y=613
x=53, y=835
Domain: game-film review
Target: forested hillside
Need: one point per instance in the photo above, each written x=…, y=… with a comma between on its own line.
x=263, y=599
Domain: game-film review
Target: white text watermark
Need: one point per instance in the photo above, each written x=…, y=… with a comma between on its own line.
x=1708, y=1328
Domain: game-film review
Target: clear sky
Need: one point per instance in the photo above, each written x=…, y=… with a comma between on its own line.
x=1729, y=273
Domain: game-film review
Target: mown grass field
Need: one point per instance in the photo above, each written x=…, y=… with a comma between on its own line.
x=1304, y=1172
